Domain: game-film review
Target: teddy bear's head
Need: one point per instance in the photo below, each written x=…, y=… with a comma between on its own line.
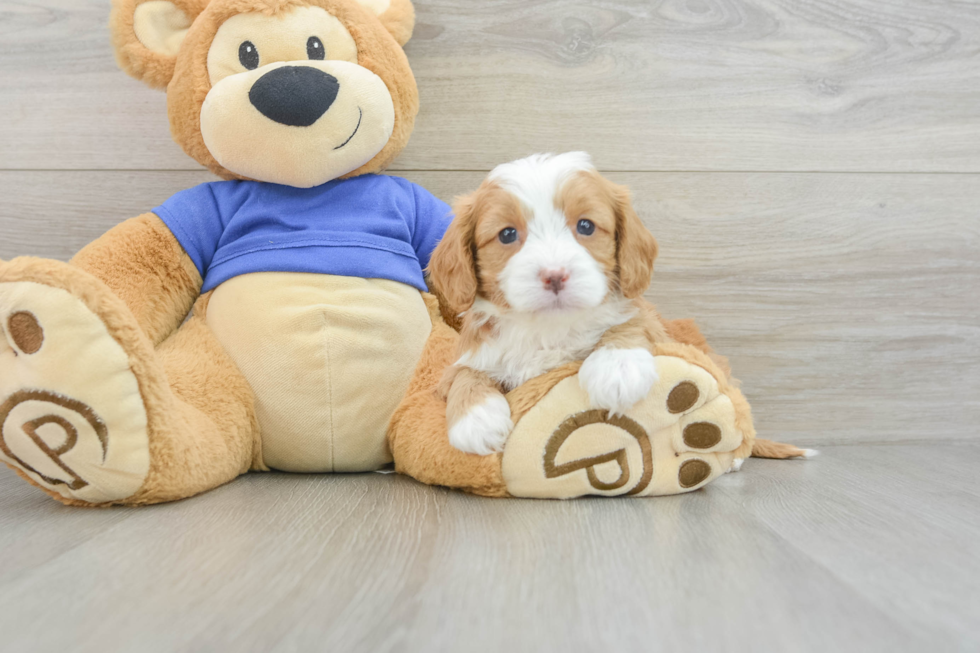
x=295, y=92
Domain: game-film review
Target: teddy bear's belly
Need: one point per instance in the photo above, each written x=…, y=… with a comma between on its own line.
x=329, y=359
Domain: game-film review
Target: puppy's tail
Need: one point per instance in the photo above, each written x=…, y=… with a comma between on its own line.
x=769, y=449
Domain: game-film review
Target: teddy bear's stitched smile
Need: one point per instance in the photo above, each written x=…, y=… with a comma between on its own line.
x=360, y=115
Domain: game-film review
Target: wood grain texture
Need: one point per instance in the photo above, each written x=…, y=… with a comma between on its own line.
x=847, y=302
x=869, y=85
x=912, y=509
x=862, y=549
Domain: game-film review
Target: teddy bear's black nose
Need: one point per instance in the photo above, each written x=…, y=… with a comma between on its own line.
x=294, y=95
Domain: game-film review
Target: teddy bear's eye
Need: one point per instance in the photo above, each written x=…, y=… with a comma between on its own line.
x=314, y=48
x=248, y=55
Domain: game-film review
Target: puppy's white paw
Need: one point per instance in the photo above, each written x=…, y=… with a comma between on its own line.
x=616, y=379
x=484, y=428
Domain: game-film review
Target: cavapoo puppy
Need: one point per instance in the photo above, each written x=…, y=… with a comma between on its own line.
x=547, y=262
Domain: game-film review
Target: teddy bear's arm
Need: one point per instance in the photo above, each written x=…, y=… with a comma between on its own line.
x=142, y=263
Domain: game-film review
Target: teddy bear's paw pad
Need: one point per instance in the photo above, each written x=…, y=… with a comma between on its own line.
x=71, y=415
x=677, y=439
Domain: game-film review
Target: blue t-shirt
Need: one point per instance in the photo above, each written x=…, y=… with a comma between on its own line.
x=374, y=226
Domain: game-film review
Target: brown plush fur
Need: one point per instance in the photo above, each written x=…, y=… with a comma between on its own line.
x=137, y=279
x=399, y=20
x=377, y=51
x=687, y=331
x=156, y=279
x=200, y=412
x=769, y=449
x=417, y=434
x=211, y=400
x=525, y=397
x=727, y=385
x=466, y=257
x=378, y=40
x=155, y=70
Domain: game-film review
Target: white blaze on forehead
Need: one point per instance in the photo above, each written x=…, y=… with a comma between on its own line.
x=537, y=180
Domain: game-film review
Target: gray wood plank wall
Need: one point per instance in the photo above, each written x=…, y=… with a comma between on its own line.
x=810, y=169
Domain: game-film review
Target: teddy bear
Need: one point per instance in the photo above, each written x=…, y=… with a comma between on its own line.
x=279, y=319
x=301, y=272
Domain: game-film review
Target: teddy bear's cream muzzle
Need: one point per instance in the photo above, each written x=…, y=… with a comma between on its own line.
x=297, y=123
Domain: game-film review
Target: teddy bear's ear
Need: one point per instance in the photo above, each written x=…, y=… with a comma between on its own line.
x=398, y=16
x=147, y=34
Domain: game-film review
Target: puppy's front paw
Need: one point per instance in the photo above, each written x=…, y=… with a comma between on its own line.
x=616, y=379
x=484, y=428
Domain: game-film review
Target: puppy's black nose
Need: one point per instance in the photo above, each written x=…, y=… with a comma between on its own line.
x=294, y=95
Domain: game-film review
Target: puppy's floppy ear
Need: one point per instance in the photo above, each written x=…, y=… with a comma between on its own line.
x=452, y=268
x=147, y=34
x=636, y=248
x=398, y=17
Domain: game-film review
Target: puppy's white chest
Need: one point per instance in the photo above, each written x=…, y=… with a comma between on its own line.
x=526, y=347
x=530, y=359
x=513, y=360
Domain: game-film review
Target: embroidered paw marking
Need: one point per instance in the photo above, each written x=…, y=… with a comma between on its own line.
x=552, y=469
x=702, y=435
x=71, y=415
x=26, y=334
x=693, y=472
x=68, y=431
x=683, y=395
x=680, y=436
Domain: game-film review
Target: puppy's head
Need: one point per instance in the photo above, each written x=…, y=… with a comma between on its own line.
x=544, y=233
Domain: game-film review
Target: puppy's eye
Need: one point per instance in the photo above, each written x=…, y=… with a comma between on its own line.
x=585, y=227
x=314, y=48
x=248, y=55
x=508, y=235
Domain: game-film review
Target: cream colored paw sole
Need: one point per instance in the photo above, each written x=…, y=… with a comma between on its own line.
x=71, y=415
x=678, y=439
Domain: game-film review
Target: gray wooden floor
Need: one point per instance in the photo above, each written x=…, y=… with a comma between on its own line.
x=812, y=172
x=866, y=548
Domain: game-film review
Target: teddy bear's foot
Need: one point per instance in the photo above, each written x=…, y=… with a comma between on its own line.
x=684, y=434
x=72, y=419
